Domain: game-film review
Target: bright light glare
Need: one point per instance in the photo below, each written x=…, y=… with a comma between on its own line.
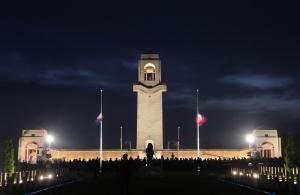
x=49, y=138
x=41, y=177
x=234, y=172
x=50, y=176
x=241, y=173
x=255, y=176
x=250, y=138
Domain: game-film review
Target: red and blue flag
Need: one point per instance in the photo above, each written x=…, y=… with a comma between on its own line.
x=201, y=119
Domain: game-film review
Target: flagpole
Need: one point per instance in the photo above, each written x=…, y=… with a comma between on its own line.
x=178, y=138
x=100, y=168
x=121, y=140
x=198, y=133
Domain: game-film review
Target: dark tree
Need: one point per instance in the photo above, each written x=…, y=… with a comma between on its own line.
x=289, y=160
x=9, y=162
x=289, y=154
x=149, y=153
x=2, y=149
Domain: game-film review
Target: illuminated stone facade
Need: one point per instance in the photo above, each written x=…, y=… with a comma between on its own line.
x=149, y=91
x=117, y=154
x=32, y=144
x=267, y=144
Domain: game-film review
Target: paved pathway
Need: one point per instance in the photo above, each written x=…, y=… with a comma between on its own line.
x=170, y=184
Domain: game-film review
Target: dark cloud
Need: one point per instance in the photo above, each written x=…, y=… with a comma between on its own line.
x=257, y=104
x=258, y=81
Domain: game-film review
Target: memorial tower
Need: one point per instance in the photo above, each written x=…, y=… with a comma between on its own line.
x=149, y=102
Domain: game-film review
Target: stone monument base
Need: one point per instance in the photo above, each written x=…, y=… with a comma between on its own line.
x=80, y=154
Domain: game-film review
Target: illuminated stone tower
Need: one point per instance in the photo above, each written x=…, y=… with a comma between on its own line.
x=149, y=102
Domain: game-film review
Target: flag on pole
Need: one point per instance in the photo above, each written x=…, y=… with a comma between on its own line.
x=200, y=119
x=99, y=118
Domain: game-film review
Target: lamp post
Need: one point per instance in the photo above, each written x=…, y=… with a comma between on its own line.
x=129, y=144
x=250, y=139
x=178, y=140
x=49, y=140
x=121, y=139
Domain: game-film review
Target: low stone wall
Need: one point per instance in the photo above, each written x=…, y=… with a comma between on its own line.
x=69, y=154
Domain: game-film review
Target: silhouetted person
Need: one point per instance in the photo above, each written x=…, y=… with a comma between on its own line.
x=125, y=173
x=149, y=153
x=96, y=166
x=172, y=156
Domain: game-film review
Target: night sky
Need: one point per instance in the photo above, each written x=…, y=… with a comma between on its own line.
x=243, y=57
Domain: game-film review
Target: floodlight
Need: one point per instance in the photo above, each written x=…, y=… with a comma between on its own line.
x=250, y=138
x=49, y=139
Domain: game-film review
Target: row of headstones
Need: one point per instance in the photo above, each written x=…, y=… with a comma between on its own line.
x=280, y=173
x=24, y=177
x=270, y=173
x=276, y=179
